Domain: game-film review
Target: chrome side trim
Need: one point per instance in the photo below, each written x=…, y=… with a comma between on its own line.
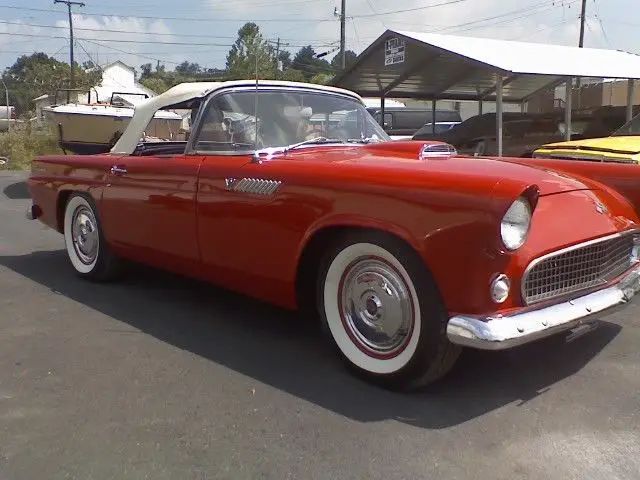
x=578, y=246
x=257, y=186
x=534, y=323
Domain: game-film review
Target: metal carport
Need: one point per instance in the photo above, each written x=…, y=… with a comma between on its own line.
x=402, y=64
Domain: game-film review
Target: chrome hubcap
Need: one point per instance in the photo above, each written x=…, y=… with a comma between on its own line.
x=85, y=235
x=376, y=307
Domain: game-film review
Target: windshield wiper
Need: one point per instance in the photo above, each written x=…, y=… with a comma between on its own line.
x=270, y=151
x=364, y=140
x=313, y=141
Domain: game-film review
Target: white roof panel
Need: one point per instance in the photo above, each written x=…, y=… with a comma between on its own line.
x=448, y=67
x=536, y=58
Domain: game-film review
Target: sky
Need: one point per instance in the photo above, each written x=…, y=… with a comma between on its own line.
x=202, y=31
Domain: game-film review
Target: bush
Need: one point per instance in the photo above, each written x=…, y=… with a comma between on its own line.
x=24, y=143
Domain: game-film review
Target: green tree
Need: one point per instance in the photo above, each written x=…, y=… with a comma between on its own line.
x=147, y=71
x=306, y=61
x=291, y=75
x=321, y=78
x=250, y=53
x=38, y=74
x=155, y=84
x=284, y=57
x=350, y=58
x=188, y=69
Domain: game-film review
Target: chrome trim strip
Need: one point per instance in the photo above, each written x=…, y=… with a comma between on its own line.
x=578, y=246
x=534, y=323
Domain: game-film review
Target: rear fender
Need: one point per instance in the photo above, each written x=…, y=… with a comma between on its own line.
x=51, y=182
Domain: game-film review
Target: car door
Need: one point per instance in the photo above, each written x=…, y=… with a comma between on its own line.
x=234, y=231
x=149, y=208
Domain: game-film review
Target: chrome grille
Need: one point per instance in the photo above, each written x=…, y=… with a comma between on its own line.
x=577, y=268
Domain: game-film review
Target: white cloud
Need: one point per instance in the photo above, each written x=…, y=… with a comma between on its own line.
x=18, y=37
x=134, y=36
x=533, y=21
x=525, y=20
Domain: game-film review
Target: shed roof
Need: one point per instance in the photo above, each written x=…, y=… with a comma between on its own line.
x=402, y=64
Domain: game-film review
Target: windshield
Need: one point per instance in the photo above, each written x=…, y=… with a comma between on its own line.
x=284, y=117
x=632, y=127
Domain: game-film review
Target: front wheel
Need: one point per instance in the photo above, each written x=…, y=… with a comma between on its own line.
x=87, y=249
x=384, y=314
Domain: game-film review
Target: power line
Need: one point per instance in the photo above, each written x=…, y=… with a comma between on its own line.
x=406, y=10
x=153, y=42
x=521, y=13
x=200, y=19
x=319, y=42
x=185, y=19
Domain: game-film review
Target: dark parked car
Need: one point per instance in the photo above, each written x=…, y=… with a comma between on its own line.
x=405, y=122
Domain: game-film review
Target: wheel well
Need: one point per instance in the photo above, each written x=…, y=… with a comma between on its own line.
x=61, y=203
x=312, y=255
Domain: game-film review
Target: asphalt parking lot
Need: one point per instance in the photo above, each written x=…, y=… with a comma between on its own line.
x=162, y=377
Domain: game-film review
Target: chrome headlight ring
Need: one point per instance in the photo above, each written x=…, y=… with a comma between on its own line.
x=515, y=224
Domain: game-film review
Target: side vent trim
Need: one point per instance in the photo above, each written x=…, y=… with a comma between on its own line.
x=257, y=186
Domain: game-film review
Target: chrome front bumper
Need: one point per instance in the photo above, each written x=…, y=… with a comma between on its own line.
x=536, y=322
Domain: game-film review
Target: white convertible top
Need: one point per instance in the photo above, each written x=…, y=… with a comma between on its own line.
x=145, y=110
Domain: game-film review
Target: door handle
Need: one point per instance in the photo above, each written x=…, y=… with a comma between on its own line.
x=116, y=170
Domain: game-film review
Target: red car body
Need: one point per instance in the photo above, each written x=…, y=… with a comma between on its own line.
x=188, y=213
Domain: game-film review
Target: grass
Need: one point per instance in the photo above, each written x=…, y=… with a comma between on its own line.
x=24, y=143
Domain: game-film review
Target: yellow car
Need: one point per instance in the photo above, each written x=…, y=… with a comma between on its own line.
x=623, y=145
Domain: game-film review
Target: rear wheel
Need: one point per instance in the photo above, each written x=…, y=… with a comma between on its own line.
x=383, y=312
x=87, y=249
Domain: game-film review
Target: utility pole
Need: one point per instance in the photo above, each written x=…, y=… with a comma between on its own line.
x=582, y=23
x=342, y=32
x=69, y=3
x=583, y=19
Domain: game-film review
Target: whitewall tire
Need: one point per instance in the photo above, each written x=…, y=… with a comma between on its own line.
x=381, y=309
x=86, y=247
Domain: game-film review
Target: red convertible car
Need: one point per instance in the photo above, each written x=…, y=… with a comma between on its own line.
x=293, y=194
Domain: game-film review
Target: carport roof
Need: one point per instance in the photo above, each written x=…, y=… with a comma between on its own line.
x=402, y=64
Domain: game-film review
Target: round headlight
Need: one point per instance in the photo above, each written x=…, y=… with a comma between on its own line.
x=515, y=224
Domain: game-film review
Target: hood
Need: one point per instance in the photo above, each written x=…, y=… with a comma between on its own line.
x=621, y=145
x=404, y=158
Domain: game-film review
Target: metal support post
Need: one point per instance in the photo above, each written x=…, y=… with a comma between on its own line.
x=567, y=109
x=630, y=95
x=499, y=114
x=433, y=116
